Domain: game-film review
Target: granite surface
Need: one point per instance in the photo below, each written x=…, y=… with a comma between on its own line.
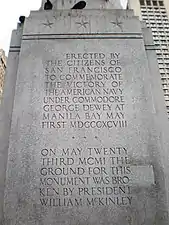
x=6, y=109
x=86, y=145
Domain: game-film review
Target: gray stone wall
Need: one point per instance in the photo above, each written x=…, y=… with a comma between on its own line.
x=87, y=132
x=6, y=109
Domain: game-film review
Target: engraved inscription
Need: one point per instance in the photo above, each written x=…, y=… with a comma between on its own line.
x=85, y=177
x=84, y=90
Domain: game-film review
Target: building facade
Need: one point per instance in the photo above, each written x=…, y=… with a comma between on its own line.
x=156, y=15
x=2, y=71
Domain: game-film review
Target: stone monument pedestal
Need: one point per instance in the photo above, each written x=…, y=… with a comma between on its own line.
x=88, y=140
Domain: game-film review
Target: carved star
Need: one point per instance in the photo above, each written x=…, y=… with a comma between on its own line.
x=117, y=23
x=82, y=23
x=48, y=24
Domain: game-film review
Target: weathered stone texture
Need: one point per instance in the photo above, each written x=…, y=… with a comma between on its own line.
x=88, y=141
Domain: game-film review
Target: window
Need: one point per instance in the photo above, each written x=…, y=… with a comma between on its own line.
x=141, y=2
x=161, y=3
x=148, y=2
